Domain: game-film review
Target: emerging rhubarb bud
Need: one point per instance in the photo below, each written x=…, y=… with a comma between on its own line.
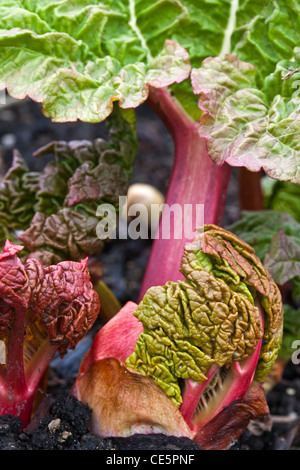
x=207, y=337
x=203, y=340
x=42, y=310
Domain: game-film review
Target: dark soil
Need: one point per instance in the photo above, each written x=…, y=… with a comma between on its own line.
x=61, y=422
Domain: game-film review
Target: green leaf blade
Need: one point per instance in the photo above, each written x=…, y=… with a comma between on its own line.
x=78, y=57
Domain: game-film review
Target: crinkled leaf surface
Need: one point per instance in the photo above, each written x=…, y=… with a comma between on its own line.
x=211, y=317
x=61, y=295
x=243, y=125
x=266, y=32
x=252, y=113
x=77, y=57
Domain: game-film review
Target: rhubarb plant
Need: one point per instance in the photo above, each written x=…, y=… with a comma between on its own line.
x=203, y=339
x=223, y=78
x=42, y=310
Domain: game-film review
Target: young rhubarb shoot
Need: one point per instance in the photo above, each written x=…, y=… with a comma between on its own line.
x=203, y=339
x=42, y=310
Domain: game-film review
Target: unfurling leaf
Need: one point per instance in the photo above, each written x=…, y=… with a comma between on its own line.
x=212, y=317
x=66, y=302
x=62, y=295
x=42, y=310
x=204, y=339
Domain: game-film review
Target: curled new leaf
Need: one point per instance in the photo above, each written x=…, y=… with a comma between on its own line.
x=62, y=295
x=203, y=339
x=42, y=310
x=226, y=315
x=66, y=302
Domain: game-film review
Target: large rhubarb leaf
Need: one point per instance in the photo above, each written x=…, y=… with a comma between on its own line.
x=252, y=111
x=265, y=32
x=77, y=57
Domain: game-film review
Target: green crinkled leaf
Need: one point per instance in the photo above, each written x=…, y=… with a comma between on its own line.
x=212, y=317
x=77, y=57
x=251, y=98
x=248, y=126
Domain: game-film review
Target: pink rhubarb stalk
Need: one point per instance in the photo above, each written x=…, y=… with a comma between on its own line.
x=195, y=179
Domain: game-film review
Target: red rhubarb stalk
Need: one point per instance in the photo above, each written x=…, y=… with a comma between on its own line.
x=19, y=384
x=195, y=180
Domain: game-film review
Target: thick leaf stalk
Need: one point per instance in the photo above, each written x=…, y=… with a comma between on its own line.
x=42, y=310
x=196, y=182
